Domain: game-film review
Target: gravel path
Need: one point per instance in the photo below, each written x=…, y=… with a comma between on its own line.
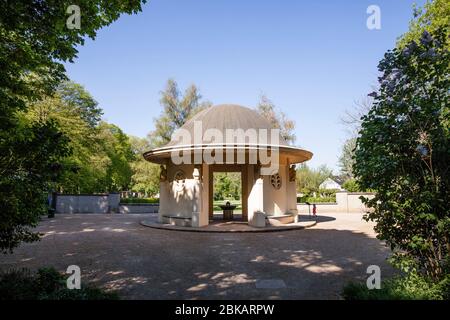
x=116, y=252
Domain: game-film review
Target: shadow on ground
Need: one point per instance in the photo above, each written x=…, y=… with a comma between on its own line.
x=114, y=251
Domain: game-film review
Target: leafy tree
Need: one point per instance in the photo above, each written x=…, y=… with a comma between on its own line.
x=34, y=40
x=118, y=149
x=433, y=16
x=227, y=185
x=145, y=177
x=100, y=152
x=309, y=180
x=277, y=119
x=351, y=185
x=403, y=153
x=177, y=110
x=346, y=160
x=29, y=163
x=81, y=102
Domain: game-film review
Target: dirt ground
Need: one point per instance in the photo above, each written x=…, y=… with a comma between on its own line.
x=116, y=252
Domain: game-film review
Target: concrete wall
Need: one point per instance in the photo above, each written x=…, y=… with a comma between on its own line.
x=138, y=208
x=75, y=203
x=179, y=200
x=276, y=201
x=99, y=203
x=345, y=202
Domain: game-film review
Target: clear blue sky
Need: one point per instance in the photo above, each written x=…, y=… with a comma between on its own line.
x=313, y=59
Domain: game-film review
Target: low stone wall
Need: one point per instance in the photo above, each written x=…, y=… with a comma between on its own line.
x=138, y=208
x=345, y=202
x=87, y=203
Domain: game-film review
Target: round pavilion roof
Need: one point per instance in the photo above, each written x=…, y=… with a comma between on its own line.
x=228, y=116
x=222, y=118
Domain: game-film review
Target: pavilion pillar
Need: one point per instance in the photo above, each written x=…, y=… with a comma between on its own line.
x=199, y=215
x=256, y=215
x=163, y=193
x=292, y=192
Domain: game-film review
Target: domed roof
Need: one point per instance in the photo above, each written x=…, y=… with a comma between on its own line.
x=228, y=116
x=224, y=118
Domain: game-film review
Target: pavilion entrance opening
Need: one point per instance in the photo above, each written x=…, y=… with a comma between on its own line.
x=227, y=198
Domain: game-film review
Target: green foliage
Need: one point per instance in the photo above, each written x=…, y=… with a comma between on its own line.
x=29, y=163
x=227, y=185
x=140, y=200
x=79, y=101
x=308, y=180
x=317, y=199
x=351, y=185
x=117, y=148
x=34, y=41
x=145, y=177
x=277, y=119
x=46, y=284
x=101, y=152
x=177, y=110
x=346, y=159
x=412, y=286
x=433, y=16
x=403, y=153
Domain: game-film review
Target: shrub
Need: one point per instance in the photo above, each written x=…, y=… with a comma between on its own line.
x=140, y=200
x=46, y=284
x=351, y=185
x=403, y=153
x=408, y=287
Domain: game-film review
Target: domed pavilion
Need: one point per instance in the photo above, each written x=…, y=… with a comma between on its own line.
x=227, y=138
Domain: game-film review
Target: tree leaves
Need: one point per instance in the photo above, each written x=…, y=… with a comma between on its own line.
x=403, y=151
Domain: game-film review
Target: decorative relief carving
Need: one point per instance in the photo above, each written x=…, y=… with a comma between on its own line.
x=179, y=180
x=275, y=180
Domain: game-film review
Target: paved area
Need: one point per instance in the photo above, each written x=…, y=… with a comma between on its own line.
x=232, y=226
x=117, y=252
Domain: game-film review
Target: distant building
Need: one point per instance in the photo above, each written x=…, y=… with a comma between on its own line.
x=330, y=184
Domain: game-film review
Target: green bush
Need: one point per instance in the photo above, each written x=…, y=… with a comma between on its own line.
x=408, y=287
x=351, y=185
x=316, y=199
x=46, y=284
x=140, y=200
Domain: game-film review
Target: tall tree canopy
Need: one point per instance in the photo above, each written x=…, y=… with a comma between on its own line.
x=309, y=179
x=346, y=160
x=177, y=109
x=101, y=152
x=434, y=15
x=403, y=152
x=145, y=177
x=34, y=40
x=277, y=119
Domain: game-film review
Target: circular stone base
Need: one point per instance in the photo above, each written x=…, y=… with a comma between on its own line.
x=229, y=226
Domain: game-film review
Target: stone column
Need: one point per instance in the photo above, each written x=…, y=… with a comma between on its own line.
x=256, y=201
x=199, y=216
x=163, y=194
x=292, y=192
x=206, y=191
